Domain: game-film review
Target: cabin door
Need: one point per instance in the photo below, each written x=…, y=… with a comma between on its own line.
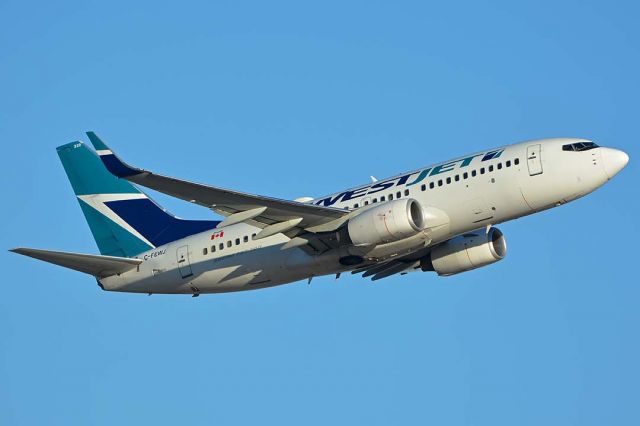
x=183, y=261
x=534, y=160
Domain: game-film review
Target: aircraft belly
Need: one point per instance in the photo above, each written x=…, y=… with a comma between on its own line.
x=546, y=190
x=507, y=203
x=483, y=202
x=232, y=273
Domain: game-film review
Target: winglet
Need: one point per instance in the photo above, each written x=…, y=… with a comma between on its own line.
x=111, y=161
x=97, y=142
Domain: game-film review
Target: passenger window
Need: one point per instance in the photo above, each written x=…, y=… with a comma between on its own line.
x=382, y=198
x=221, y=246
x=253, y=236
x=245, y=239
x=508, y=163
x=355, y=206
x=482, y=170
x=440, y=182
x=491, y=168
x=448, y=180
x=406, y=192
x=432, y=185
x=237, y=241
x=516, y=161
x=465, y=175
x=375, y=200
x=398, y=194
x=423, y=187
x=457, y=178
x=204, y=251
x=229, y=243
x=213, y=248
x=473, y=173
x=499, y=166
x=390, y=197
x=366, y=203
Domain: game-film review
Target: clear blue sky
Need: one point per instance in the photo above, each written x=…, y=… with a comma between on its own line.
x=289, y=100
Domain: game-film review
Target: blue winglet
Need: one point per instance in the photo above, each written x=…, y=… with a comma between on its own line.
x=111, y=161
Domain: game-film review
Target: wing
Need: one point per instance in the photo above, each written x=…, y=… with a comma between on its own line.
x=272, y=214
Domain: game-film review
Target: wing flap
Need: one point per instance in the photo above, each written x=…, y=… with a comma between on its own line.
x=97, y=265
x=384, y=270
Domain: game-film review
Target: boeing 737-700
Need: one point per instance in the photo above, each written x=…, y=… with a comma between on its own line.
x=438, y=218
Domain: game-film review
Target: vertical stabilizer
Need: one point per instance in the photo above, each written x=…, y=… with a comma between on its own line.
x=123, y=220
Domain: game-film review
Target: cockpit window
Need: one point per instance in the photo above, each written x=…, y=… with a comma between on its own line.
x=580, y=146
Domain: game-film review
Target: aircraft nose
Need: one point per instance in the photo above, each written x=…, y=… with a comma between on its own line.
x=613, y=161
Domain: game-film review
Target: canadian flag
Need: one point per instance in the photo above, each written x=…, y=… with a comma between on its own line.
x=217, y=235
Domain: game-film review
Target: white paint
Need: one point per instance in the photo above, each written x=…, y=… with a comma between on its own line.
x=451, y=210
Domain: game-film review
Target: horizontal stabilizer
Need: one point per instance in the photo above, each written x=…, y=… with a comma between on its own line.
x=96, y=265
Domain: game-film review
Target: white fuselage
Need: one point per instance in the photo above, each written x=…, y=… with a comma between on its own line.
x=458, y=196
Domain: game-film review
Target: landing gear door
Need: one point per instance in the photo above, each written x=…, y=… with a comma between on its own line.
x=184, y=265
x=534, y=160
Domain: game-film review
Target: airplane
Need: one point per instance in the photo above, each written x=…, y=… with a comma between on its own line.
x=440, y=218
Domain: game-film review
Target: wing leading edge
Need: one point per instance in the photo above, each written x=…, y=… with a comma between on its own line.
x=279, y=215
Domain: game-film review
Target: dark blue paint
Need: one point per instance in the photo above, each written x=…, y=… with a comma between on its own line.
x=155, y=224
x=117, y=167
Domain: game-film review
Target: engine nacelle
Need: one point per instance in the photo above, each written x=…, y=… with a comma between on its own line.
x=466, y=252
x=387, y=222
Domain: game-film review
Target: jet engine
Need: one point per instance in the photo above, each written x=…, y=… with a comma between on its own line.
x=387, y=222
x=466, y=252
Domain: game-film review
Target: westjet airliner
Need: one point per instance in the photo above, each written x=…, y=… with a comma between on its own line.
x=439, y=218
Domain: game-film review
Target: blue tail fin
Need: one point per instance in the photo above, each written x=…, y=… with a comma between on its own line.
x=123, y=220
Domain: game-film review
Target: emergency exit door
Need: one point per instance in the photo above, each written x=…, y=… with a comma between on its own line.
x=534, y=160
x=183, y=261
